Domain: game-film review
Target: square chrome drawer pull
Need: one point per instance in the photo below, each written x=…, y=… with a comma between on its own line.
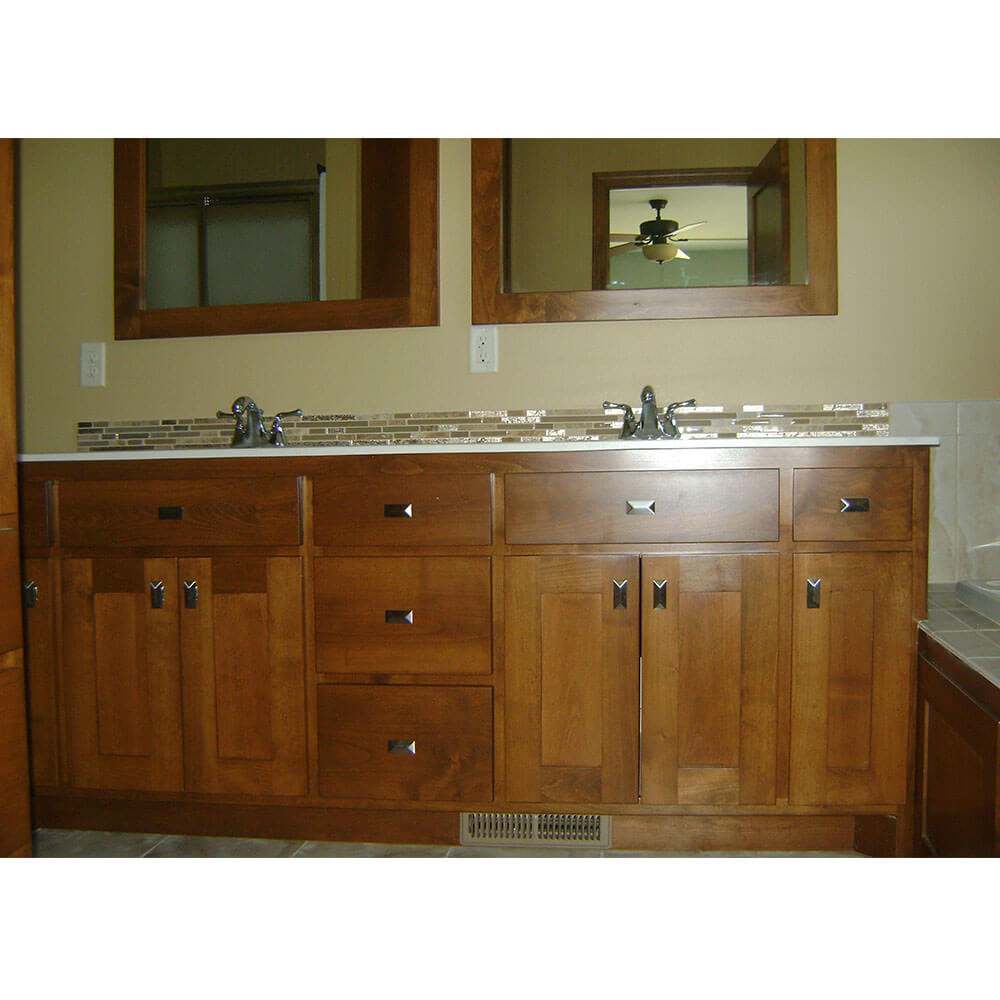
x=402, y=746
x=659, y=594
x=855, y=505
x=398, y=510
x=640, y=506
x=813, y=593
x=399, y=617
x=620, y=594
x=191, y=595
x=156, y=594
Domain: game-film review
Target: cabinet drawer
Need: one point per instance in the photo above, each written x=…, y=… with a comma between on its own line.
x=403, y=615
x=852, y=504
x=714, y=505
x=405, y=742
x=180, y=512
x=381, y=509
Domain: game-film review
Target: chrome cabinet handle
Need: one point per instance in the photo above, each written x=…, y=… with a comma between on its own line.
x=191, y=594
x=640, y=506
x=855, y=505
x=659, y=595
x=403, y=746
x=397, y=510
x=156, y=594
x=399, y=617
x=29, y=594
x=620, y=594
x=813, y=593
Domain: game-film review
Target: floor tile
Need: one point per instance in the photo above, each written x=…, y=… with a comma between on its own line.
x=322, y=849
x=94, y=844
x=523, y=852
x=223, y=847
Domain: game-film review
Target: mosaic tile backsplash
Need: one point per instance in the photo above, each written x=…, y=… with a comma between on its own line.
x=491, y=427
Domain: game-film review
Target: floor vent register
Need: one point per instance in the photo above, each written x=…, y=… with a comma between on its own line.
x=535, y=830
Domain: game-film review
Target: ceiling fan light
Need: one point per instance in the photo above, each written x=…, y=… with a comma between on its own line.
x=660, y=252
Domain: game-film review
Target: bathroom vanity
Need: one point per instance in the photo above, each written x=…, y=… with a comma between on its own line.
x=711, y=643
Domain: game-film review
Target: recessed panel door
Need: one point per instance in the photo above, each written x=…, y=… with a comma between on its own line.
x=121, y=674
x=572, y=678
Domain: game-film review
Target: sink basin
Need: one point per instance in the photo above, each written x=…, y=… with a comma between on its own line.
x=982, y=596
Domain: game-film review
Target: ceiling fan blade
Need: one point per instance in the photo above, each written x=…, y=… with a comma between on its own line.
x=690, y=225
x=682, y=255
x=618, y=237
x=624, y=248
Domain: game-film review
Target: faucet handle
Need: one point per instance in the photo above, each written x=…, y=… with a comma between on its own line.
x=277, y=433
x=677, y=406
x=629, y=423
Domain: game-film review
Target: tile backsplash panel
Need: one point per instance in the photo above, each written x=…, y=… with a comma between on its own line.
x=492, y=427
x=965, y=485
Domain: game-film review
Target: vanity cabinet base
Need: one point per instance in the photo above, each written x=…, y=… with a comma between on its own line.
x=864, y=834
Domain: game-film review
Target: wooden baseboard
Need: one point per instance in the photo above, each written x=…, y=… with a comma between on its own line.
x=211, y=819
x=874, y=835
x=734, y=833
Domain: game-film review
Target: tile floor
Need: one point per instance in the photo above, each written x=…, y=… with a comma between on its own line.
x=102, y=844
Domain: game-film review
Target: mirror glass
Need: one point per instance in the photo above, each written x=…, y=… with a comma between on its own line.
x=240, y=221
x=576, y=209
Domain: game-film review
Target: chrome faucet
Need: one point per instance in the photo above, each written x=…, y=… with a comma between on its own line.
x=249, y=430
x=650, y=425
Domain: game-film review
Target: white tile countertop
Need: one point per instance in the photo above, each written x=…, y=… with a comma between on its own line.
x=971, y=636
x=424, y=449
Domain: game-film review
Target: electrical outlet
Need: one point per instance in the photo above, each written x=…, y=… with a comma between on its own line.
x=484, y=351
x=92, y=364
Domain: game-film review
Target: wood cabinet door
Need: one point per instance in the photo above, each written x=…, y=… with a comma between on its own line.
x=957, y=776
x=853, y=656
x=242, y=647
x=572, y=678
x=710, y=632
x=40, y=657
x=121, y=674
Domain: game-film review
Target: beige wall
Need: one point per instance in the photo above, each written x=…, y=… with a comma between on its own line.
x=919, y=313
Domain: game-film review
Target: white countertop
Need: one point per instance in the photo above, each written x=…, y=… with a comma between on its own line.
x=524, y=446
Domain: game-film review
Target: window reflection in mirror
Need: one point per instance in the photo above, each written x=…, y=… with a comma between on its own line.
x=245, y=221
x=574, y=211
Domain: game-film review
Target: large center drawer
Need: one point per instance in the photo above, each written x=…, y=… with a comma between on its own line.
x=405, y=742
x=403, y=614
x=419, y=509
x=710, y=505
x=175, y=512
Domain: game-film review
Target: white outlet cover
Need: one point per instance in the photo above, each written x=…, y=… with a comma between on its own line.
x=92, y=364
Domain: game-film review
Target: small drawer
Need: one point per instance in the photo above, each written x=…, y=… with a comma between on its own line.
x=852, y=504
x=411, y=743
x=180, y=512
x=712, y=505
x=421, y=509
x=403, y=614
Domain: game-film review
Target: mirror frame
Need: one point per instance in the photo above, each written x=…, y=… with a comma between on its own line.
x=419, y=306
x=490, y=304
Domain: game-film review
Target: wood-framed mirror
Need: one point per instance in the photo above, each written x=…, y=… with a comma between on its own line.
x=558, y=186
x=389, y=222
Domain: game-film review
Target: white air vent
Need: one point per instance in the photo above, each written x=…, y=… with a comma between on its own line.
x=535, y=830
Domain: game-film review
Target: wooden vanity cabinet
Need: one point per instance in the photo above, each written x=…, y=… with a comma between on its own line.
x=958, y=758
x=713, y=646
